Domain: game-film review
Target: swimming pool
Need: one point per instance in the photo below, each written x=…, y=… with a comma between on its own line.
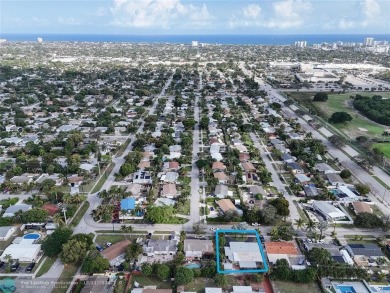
x=193, y=265
x=346, y=289
x=34, y=236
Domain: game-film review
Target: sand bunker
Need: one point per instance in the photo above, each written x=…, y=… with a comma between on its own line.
x=362, y=129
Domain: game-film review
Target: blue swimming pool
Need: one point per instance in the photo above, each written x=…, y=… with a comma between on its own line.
x=34, y=236
x=346, y=289
x=192, y=265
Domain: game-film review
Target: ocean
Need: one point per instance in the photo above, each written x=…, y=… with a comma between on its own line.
x=210, y=39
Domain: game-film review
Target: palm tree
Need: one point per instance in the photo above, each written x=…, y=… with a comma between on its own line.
x=322, y=226
x=311, y=226
x=300, y=223
x=58, y=219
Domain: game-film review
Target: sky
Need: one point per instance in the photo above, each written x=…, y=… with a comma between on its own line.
x=164, y=17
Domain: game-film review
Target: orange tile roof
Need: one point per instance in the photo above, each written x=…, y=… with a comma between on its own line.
x=225, y=205
x=361, y=207
x=281, y=248
x=218, y=165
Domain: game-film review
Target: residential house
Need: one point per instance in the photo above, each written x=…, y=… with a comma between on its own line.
x=248, y=167
x=197, y=248
x=169, y=190
x=324, y=168
x=246, y=255
x=6, y=232
x=334, y=179
x=222, y=177
x=302, y=179
x=287, y=158
x=142, y=177
x=160, y=247
x=226, y=205
x=170, y=177
x=171, y=166
x=218, y=167
x=365, y=254
x=311, y=190
x=328, y=211
x=243, y=157
x=255, y=189
x=284, y=250
x=295, y=168
x=115, y=254
x=134, y=189
x=361, y=207
x=222, y=191
x=12, y=210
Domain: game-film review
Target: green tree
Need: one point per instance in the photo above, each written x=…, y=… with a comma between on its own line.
x=35, y=215
x=362, y=189
x=368, y=220
x=345, y=174
x=156, y=214
x=133, y=251
x=147, y=269
x=52, y=245
x=221, y=281
x=340, y=117
x=320, y=256
x=163, y=272
x=281, y=205
x=73, y=251
x=320, y=97
x=183, y=276
x=95, y=263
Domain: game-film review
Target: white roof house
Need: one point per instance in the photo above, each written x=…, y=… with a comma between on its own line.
x=246, y=254
x=212, y=290
x=6, y=232
x=24, y=251
x=329, y=211
x=11, y=210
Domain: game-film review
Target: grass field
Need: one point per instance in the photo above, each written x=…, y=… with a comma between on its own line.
x=289, y=287
x=65, y=279
x=80, y=214
x=337, y=103
x=49, y=261
x=384, y=147
x=152, y=281
x=103, y=178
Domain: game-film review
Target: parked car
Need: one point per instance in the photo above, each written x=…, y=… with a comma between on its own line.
x=301, y=261
x=99, y=247
x=30, y=267
x=14, y=266
x=108, y=244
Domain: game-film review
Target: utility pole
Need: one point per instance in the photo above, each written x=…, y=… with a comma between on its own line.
x=64, y=211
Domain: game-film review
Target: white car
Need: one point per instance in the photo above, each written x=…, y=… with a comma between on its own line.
x=213, y=229
x=108, y=244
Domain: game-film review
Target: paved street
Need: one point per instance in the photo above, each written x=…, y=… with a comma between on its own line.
x=195, y=196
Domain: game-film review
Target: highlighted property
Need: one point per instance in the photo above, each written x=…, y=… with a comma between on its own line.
x=239, y=257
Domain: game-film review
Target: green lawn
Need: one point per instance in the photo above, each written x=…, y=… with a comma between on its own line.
x=80, y=214
x=384, y=147
x=337, y=103
x=152, y=281
x=184, y=209
x=104, y=238
x=290, y=287
x=65, y=279
x=49, y=261
x=198, y=285
x=103, y=178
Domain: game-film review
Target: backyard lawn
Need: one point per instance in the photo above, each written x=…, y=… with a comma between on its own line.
x=289, y=287
x=65, y=279
x=384, y=147
x=152, y=281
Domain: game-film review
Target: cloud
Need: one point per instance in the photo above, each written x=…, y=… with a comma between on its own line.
x=371, y=9
x=68, y=21
x=289, y=14
x=158, y=13
x=248, y=16
x=101, y=11
x=345, y=24
x=252, y=11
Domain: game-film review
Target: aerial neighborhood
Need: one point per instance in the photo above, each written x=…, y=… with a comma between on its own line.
x=163, y=168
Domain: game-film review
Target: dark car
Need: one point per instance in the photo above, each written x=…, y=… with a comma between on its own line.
x=99, y=247
x=1, y=264
x=149, y=236
x=121, y=268
x=14, y=266
x=30, y=267
x=262, y=238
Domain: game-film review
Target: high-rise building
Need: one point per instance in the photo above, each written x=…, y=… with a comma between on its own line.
x=300, y=44
x=195, y=43
x=40, y=40
x=369, y=41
